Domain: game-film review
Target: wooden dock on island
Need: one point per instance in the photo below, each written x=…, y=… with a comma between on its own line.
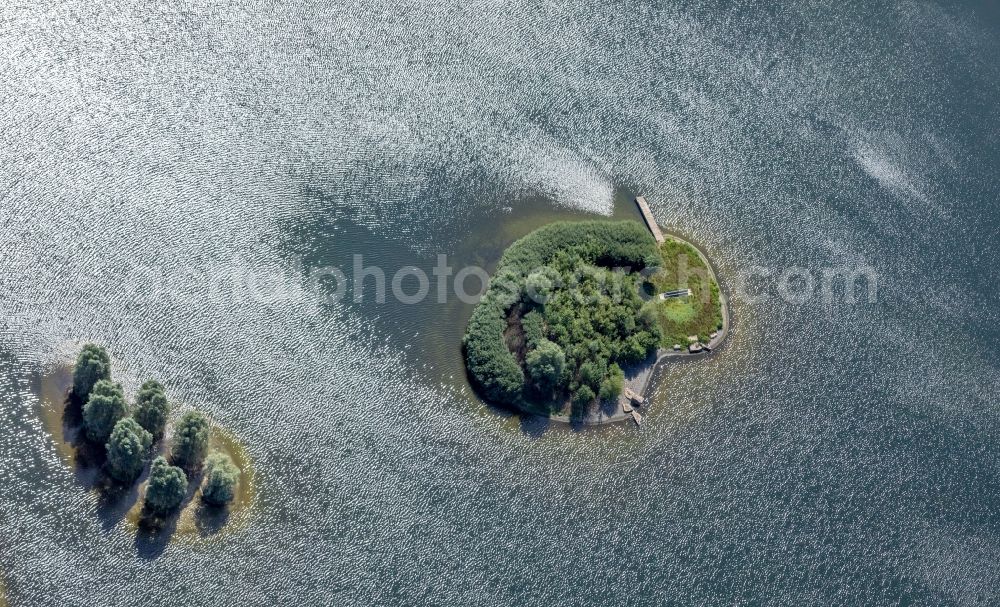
x=647, y=215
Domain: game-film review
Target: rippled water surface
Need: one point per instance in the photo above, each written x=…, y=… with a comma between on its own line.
x=169, y=173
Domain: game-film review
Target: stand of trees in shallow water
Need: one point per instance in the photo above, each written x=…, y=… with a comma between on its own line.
x=562, y=314
x=128, y=435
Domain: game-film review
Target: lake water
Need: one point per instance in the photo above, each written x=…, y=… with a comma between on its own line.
x=172, y=175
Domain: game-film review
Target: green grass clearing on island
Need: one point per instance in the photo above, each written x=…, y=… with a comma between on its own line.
x=698, y=314
x=679, y=311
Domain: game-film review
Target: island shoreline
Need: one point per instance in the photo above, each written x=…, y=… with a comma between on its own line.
x=637, y=378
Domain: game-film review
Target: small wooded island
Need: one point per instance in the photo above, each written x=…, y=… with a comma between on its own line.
x=128, y=435
x=573, y=308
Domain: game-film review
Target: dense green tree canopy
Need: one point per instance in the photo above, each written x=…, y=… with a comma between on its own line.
x=152, y=408
x=540, y=284
x=612, y=385
x=105, y=406
x=563, y=310
x=127, y=450
x=583, y=396
x=167, y=487
x=545, y=364
x=221, y=479
x=533, y=324
x=92, y=365
x=190, y=442
x=492, y=366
